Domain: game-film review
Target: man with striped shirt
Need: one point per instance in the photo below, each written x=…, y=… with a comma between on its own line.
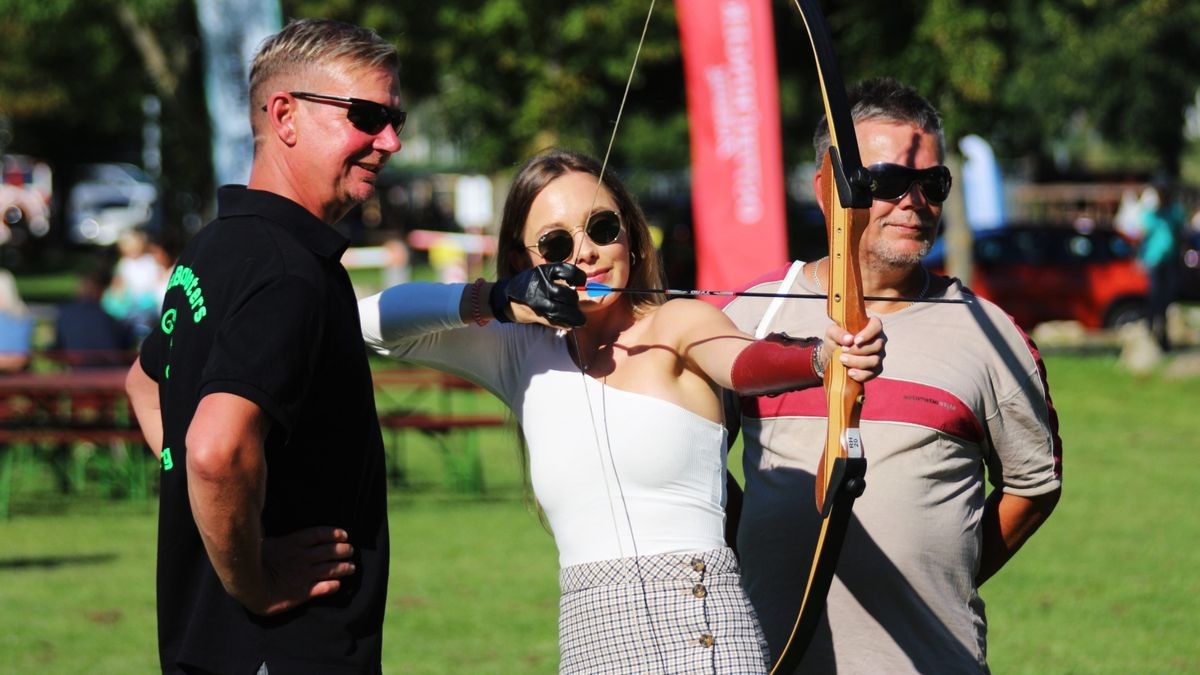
x=962, y=398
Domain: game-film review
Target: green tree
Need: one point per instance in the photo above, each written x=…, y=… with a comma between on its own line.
x=503, y=78
x=73, y=74
x=1032, y=74
x=512, y=76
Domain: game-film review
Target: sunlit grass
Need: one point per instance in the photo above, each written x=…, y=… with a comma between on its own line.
x=1109, y=585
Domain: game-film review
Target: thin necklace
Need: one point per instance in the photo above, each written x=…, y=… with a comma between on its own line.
x=612, y=463
x=920, y=296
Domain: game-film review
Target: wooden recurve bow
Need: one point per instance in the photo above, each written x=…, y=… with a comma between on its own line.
x=846, y=195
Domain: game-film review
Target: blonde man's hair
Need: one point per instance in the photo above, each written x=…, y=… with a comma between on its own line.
x=307, y=43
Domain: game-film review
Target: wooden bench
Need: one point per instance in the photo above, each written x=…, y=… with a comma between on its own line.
x=64, y=408
x=464, y=465
x=126, y=467
x=53, y=413
x=439, y=423
x=70, y=434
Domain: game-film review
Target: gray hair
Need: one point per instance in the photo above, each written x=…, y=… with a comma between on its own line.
x=306, y=43
x=886, y=99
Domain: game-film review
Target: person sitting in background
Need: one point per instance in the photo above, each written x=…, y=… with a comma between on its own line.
x=85, y=335
x=164, y=254
x=622, y=415
x=138, y=285
x=16, y=327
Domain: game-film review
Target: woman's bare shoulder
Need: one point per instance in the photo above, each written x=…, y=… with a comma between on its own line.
x=685, y=316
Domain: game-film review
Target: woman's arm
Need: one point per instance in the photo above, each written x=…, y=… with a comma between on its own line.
x=406, y=311
x=410, y=310
x=709, y=340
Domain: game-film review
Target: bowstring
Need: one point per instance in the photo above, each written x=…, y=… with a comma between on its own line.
x=612, y=139
x=637, y=562
x=637, y=559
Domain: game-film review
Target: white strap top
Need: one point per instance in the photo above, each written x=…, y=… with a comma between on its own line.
x=617, y=473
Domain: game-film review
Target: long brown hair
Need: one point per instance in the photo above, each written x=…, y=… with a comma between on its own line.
x=512, y=258
x=533, y=177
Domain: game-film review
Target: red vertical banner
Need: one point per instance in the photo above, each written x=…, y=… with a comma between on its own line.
x=738, y=213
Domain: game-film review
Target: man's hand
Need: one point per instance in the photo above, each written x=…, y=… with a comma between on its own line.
x=862, y=354
x=535, y=296
x=226, y=475
x=1008, y=522
x=298, y=567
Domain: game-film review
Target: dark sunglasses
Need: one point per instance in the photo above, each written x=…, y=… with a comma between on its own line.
x=368, y=117
x=893, y=181
x=602, y=228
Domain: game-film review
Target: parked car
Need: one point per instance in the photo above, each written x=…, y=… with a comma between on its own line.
x=1038, y=272
x=107, y=201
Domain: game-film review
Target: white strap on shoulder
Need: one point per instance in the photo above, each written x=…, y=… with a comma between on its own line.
x=764, y=324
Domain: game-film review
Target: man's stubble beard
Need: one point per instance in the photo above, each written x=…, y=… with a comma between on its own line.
x=883, y=256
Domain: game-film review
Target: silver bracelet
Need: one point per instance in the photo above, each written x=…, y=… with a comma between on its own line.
x=816, y=360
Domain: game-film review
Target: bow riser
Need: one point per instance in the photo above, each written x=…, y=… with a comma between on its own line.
x=844, y=227
x=841, y=470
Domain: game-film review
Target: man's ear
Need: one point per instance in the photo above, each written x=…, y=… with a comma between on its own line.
x=281, y=117
x=817, y=185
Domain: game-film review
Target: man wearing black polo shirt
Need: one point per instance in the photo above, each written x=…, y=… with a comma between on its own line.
x=254, y=389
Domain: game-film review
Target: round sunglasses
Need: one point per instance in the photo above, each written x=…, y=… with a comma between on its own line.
x=368, y=117
x=557, y=245
x=893, y=181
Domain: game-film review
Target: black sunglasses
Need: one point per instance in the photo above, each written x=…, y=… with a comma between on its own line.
x=368, y=117
x=893, y=181
x=602, y=228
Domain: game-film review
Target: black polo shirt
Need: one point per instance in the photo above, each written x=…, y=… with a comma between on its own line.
x=260, y=306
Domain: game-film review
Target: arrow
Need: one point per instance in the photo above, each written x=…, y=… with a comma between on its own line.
x=595, y=289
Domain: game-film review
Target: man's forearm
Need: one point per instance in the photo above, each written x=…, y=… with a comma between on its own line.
x=227, y=507
x=227, y=474
x=1008, y=522
x=143, y=398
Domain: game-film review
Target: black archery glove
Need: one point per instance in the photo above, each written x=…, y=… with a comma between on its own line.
x=536, y=289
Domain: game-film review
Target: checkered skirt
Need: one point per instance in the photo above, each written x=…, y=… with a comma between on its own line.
x=673, y=613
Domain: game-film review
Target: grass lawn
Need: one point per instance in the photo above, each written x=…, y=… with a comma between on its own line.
x=1108, y=586
x=1110, y=583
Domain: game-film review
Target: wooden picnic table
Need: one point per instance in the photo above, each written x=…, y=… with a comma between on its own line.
x=88, y=402
x=454, y=432
x=107, y=379
x=90, y=405
x=50, y=412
